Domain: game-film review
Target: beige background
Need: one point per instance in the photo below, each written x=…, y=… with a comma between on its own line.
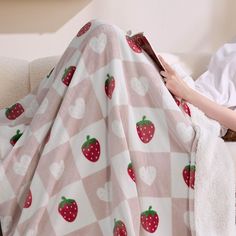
x=30, y=29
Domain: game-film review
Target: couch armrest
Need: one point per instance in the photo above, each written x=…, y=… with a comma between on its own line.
x=14, y=80
x=39, y=68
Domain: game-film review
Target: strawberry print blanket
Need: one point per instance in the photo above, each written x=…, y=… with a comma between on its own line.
x=100, y=147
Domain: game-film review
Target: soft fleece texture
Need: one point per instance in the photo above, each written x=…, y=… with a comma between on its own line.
x=215, y=181
x=215, y=176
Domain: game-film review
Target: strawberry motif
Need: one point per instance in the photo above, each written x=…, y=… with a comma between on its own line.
x=68, y=209
x=28, y=200
x=68, y=74
x=91, y=149
x=136, y=48
x=145, y=129
x=149, y=220
x=186, y=108
x=177, y=101
x=109, y=85
x=119, y=228
x=84, y=29
x=16, y=137
x=131, y=171
x=184, y=105
x=189, y=175
x=14, y=111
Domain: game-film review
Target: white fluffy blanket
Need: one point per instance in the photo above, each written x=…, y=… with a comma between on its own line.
x=215, y=175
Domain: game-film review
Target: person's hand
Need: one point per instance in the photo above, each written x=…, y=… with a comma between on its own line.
x=173, y=82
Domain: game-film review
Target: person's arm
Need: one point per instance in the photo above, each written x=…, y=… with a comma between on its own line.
x=178, y=87
x=223, y=115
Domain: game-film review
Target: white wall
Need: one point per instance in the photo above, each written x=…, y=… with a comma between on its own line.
x=171, y=26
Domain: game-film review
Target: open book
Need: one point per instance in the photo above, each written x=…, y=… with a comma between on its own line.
x=142, y=42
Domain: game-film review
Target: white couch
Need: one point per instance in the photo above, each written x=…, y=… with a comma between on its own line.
x=18, y=77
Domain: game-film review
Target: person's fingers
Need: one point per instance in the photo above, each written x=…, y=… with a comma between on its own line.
x=163, y=61
x=166, y=65
x=164, y=73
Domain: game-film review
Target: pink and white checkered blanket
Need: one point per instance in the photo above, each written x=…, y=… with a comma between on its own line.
x=100, y=147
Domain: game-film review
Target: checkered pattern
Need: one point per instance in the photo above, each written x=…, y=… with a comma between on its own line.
x=49, y=158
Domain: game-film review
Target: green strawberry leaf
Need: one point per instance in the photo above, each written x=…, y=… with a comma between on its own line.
x=144, y=122
x=17, y=135
x=109, y=79
x=190, y=168
x=149, y=212
x=130, y=165
x=193, y=168
x=66, y=72
x=65, y=201
x=117, y=223
x=89, y=142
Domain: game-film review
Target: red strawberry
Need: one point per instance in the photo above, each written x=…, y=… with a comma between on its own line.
x=16, y=137
x=119, y=228
x=68, y=209
x=91, y=149
x=177, y=101
x=149, y=220
x=84, y=29
x=14, y=111
x=145, y=129
x=131, y=171
x=186, y=108
x=189, y=175
x=28, y=200
x=133, y=45
x=68, y=74
x=109, y=85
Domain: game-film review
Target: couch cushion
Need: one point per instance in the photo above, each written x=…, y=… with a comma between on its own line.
x=194, y=64
x=40, y=68
x=14, y=80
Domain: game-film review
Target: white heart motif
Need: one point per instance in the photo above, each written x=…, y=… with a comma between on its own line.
x=20, y=167
x=98, y=44
x=117, y=128
x=185, y=132
x=2, y=173
x=6, y=223
x=139, y=85
x=33, y=107
x=43, y=106
x=147, y=174
x=104, y=194
x=189, y=220
x=57, y=169
x=77, y=110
